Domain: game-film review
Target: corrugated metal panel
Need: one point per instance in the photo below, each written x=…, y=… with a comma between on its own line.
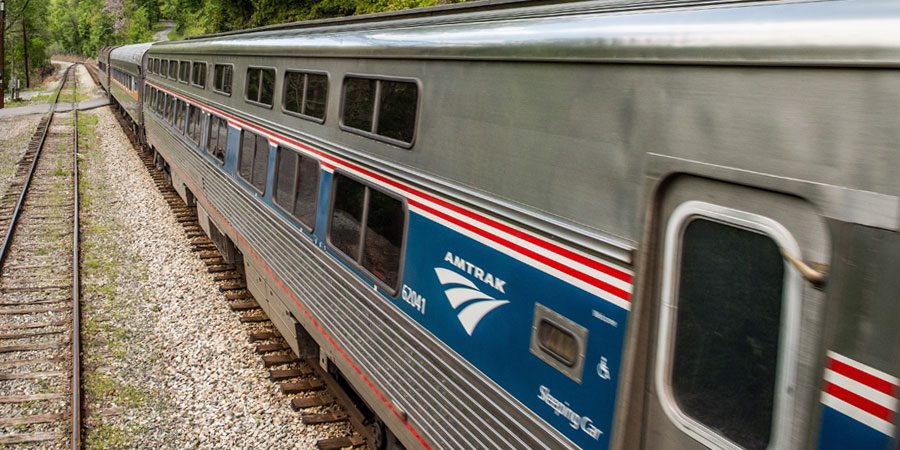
x=448, y=401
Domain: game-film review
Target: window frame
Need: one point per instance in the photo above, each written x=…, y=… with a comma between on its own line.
x=290, y=214
x=205, y=76
x=392, y=291
x=177, y=66
x=375, y=136
x=789, y=328
x=227, y=94
x=274, y=86
x=189, y=73
x=303, y=101
x=237, y=166
x=208, y=128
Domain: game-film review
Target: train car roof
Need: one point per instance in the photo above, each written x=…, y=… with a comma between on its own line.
x=131, y=54
x=825, y=32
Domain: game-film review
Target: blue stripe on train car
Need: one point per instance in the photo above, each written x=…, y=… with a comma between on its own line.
x=841, y=432
x=498, y=342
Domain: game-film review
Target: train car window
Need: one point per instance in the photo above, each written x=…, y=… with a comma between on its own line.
x=218, y=137
x=367, y=225
x=724, y=364
x=170, y=111
x=173, y=69
x=164, y=69
x=193, y=124
x=180, y=115
x=253, y=161
x=297, y=185
x=381, y=109
x=305, y=94
x=198, y=74
x=260, y=86
x=147, y=93
x=155, y=65
x=184, y=72
x=222, y=76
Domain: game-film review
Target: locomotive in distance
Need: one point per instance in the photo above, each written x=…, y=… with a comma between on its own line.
x=688, y=213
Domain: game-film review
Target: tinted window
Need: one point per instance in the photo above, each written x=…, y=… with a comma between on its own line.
x=193, y=125
x=394, y=103
x=222, y=78
x=260, y=85
x=346, y=218
x=218, y=137
x=170, y=110
x=253, y=161
x=359, y=103
x=173, y=69
x=180, y=115
x=184, y=74
x=305, y=93
x=199, y=74
x=383, y=222
x=165, y=67
x=727, y=330
x=297, y=185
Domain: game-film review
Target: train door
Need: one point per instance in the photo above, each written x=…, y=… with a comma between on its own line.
x=735, y=324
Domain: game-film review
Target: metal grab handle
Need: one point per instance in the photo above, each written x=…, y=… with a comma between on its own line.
x=816, y=277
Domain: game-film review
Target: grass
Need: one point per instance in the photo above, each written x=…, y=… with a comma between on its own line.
x=108, y=436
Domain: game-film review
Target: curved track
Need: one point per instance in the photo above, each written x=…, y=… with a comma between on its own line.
x=40, y=287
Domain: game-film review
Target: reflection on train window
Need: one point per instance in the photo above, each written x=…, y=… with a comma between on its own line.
x=253, y=160
x=180, y=115
x=385, y=108
x=218, y=137
x=260, y=85
x=147, y=93
x=170, y=111
x=305, y=94
x=557, y=342
x=184, y=72
x=297, y=185
x=367, y=226
x=173, y=70
x=222, y=75
x=727, y=326
x=198, y=74
x=160, y=102
x=193, y=124
x=164, y=69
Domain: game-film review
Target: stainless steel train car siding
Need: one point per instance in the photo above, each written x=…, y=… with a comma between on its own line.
x=129, y=59
x=618, y=134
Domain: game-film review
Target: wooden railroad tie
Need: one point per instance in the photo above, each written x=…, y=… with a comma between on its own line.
x=24, y=438
x=219, y=268
x=228, y=276
x=238, y=295
x=340, y=443
x=232, y=286
x=18, y=311
x=265, y=335
x=277, y=360
x=253, y=317
x=287, y=374
x=235, y=306
x=298, y=387
x=29, y=398
x=28, y=420
x=316, y=419
x=262, y=349
x=298, y=403
x=29, y=326
x=33, y=347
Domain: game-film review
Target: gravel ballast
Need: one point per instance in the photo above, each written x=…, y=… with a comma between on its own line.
x=167, y=364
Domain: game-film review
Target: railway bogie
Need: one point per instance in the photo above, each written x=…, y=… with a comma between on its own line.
x=531, y=229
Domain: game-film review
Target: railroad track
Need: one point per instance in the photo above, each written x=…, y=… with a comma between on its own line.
x=314, y=393
x=40, y=288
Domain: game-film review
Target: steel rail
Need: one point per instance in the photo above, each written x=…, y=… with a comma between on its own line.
x=76, y=286
x=10, y=229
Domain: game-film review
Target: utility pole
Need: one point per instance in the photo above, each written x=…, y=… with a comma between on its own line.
x=25, y=49
x=2, y=50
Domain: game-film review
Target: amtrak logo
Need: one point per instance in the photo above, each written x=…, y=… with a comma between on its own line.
x=471, y=303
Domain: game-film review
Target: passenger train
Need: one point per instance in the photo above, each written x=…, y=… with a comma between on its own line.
x=599, y=224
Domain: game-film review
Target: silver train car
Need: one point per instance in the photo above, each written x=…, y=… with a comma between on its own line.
x=602, y=224
x=103, y=66
x=126, y=76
